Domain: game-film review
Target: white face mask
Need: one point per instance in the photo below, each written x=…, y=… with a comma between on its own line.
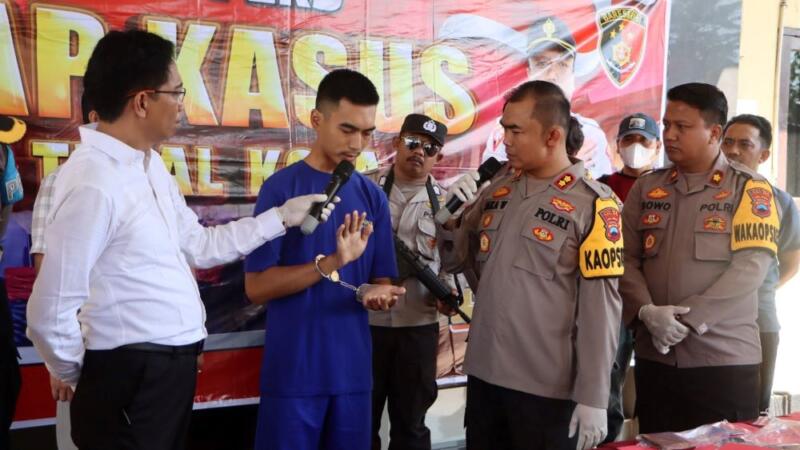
x=636, y=156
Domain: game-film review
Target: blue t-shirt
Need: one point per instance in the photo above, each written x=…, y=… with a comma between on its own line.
x=317, y=341
x=788, y=240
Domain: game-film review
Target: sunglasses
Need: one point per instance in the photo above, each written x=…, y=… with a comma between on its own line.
x=412, y=143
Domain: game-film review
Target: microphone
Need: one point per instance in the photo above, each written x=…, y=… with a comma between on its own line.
x=486, y=171
x=340, y=176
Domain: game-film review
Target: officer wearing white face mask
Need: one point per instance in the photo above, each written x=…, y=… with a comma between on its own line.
x=639, y=146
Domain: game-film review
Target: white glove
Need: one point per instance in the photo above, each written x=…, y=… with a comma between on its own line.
x=296, y=209
x=591, y=425
x=465, y=189
x=663, y=325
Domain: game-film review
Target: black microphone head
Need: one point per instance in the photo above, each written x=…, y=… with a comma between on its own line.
x=343, y=170
x=489, y=168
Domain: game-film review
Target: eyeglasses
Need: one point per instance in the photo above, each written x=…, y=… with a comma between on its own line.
x=412, y=143
x=179, y=94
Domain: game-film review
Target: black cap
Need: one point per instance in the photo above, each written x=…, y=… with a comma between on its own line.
x=547, y=33
x=640, y=124
x=422, y=124
x=11, y=129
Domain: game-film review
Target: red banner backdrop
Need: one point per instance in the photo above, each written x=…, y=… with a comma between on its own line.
x=251, y=67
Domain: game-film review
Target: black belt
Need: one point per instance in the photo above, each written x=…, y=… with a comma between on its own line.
x=189, y=349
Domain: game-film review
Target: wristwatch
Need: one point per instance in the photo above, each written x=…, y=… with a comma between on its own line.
x=334, y=278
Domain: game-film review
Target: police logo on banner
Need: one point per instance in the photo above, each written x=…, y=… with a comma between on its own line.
x=622, y=39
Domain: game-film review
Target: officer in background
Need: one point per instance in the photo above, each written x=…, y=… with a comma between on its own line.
x=11, y=131
x=405, y=338
x=551, y=57
x=639, y=146
x=746, y=140
x=546, y=243
x=699, y=239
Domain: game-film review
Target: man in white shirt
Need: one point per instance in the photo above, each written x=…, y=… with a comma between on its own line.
x=115, y=307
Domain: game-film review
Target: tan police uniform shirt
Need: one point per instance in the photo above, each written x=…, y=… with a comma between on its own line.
x=547, y=253
x=412, y=221
x=679, y=230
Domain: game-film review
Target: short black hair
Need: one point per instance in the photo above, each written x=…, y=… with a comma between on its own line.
x=86, y=108
x=551, y=107
x=707, y=98
x=763, y=126
x=349, y=84
x=122, y=63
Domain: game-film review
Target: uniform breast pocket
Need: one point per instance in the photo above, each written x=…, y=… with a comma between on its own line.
x=426, y=237
x=712, y=238
x=540, y=249
x=487, y=233
x=652, y=228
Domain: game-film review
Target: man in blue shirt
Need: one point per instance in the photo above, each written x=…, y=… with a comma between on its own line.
x=747, y=140
x=316, y=374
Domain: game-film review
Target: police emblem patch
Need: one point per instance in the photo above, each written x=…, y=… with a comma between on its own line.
x=622, y=36
x=487, y=219
x=542, y=234
x=651, y=219
x=714, y=223
x=760, y=200
x=723, y=194
x=501, y=192
x=562, y=205
x=611, y=222
x=649, y=241
x=429, y=126
x=485, y=242
x=657, y=194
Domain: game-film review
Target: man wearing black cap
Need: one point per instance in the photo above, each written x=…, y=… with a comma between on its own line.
x=639, y=146
x=405, y=338
x=551, y=57
x=11, y=130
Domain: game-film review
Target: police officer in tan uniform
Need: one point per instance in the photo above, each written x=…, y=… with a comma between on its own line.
x=547, y=245
x=405, y=338
x=699, y=238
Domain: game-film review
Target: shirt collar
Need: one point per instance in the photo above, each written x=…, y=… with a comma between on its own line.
x=111, y=146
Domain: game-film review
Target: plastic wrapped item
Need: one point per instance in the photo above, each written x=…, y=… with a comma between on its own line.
x=709, y=436
x=776, y=433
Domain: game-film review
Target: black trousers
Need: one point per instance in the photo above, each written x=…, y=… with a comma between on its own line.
x=10, y=380
x=134, y=399
x=769, y=354
x=673, y=399
x=404, y=374
x=498, y=418
x=616, y=414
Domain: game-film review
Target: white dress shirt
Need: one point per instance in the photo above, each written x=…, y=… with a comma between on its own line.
x=120, y=240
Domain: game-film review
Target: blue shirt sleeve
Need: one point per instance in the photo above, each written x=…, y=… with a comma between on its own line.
x=268, y=255
x=384, y=264
x=789, y=238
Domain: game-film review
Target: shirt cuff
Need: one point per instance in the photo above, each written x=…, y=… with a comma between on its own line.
x=271, y=224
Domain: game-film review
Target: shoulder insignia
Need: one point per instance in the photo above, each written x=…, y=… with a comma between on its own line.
x=600, y=254
x=756, y=223
x=564, y=181
x=717, y=177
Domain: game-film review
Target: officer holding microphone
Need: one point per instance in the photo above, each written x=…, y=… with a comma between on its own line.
x=546, y=243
